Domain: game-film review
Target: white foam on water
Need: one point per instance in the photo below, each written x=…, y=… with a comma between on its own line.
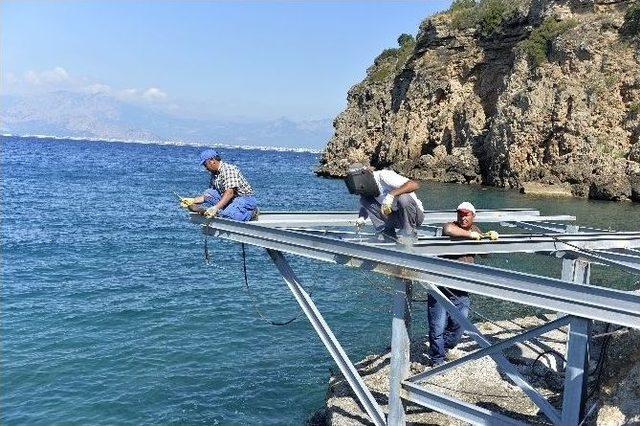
x=173, y=143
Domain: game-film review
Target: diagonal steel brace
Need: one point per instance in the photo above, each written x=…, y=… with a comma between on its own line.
x=510, y=370
x=328, y=339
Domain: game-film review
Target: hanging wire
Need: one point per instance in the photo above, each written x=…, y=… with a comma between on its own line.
x=255, y=300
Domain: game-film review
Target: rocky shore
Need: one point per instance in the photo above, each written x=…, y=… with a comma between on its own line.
x=505, y=93
x=614, y=385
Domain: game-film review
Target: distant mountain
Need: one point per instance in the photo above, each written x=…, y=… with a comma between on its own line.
x=102, y=116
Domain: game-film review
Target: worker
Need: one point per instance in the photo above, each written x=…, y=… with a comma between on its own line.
x=444, y=331
x=388, y=200
x=230, y=196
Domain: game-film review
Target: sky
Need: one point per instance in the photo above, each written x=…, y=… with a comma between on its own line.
x=260, y=60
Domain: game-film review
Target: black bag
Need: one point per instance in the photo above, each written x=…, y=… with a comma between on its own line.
x=360, y=181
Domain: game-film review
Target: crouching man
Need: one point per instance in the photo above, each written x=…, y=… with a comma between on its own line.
x=389, y=200
x=444, y=331
x=230, y=196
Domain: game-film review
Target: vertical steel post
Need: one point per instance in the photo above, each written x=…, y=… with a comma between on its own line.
x=575, y=380
x=348, y=370
x=575, y=375
x=400, y=350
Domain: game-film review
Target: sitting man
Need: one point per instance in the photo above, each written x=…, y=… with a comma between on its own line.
x=389, y=200
x=230, y=194
x=444, y=331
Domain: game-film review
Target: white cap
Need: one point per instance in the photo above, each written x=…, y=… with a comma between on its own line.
x=467, y=206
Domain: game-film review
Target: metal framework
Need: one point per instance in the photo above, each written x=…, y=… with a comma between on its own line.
x=318, y=235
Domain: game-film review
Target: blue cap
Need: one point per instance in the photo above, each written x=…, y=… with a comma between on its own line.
x=207, y=154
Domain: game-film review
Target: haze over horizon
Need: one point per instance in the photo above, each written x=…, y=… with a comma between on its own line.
x=220, y=62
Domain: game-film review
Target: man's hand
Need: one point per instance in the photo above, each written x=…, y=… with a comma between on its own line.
x=493, y=235
x=475, y=235
x=211, y=212
x=386, y=205
x=185, y=202
x=360, y=222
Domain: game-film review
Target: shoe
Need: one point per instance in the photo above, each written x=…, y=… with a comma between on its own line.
x=255, y=214
x=435, y=363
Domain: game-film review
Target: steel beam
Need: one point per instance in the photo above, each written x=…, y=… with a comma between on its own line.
x=602, y=304
x=575, y=378
x=296, y=220
x=522, y=243
x=455, y=408
x=503, y=363
x=495, y=347
x=328, y=339
x=400, y=350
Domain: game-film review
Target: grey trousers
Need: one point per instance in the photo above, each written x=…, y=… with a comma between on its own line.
x=407, y=216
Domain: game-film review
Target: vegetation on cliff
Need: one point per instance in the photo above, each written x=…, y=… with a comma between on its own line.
x=538, y=45
x=504, y=93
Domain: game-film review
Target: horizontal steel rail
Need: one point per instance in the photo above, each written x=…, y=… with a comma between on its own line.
x=523, y=243
x=293, y=220
x=454, y=407
x=587, y=301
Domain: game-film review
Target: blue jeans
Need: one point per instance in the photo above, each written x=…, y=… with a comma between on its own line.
x=241, y=207
x=444, y=332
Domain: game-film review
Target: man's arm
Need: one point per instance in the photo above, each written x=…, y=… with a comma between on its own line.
x=452, y=229
x=406, y=188
x=226, y=198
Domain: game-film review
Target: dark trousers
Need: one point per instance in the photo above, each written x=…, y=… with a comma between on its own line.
x=444, y=332
x=406, y=216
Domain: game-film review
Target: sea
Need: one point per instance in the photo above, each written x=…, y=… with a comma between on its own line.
x=111, y=314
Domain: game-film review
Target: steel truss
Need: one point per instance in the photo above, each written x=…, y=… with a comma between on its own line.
x=418, y=266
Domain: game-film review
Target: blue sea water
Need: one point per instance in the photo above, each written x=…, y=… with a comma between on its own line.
x=111, y=316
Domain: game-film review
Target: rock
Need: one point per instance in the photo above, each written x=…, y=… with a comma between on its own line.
x=468, y=107
x=536, y=188
x=479, y=382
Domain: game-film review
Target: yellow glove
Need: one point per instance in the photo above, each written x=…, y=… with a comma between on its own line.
x=186, y=201
x=386, y=205
x=475, y=235
x=493, y=235
x=211, y=212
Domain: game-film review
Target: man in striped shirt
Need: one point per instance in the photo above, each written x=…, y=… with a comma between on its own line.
x=230, y=195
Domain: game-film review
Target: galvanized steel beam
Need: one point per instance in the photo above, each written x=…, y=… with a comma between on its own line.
x=363, y=394
x=603, y=304
x=495, y=347
x=456, y=408
x=296, y=220
x=400, y=350
x=521, y=243
x=503, y=363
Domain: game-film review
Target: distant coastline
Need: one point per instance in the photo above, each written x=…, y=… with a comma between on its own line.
x=171, y=143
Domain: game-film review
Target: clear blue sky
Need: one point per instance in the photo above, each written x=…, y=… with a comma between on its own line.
x=253, y=59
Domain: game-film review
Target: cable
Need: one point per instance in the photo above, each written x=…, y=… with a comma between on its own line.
x=255, y=301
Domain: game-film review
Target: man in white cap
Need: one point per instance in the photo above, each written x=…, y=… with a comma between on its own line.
x=444, y=331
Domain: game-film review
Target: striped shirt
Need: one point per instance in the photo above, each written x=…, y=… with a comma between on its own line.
x=229, y=176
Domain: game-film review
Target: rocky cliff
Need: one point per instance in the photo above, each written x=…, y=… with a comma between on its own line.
x=503, y=93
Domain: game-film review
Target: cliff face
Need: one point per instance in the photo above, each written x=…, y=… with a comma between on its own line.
x=504, y=93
